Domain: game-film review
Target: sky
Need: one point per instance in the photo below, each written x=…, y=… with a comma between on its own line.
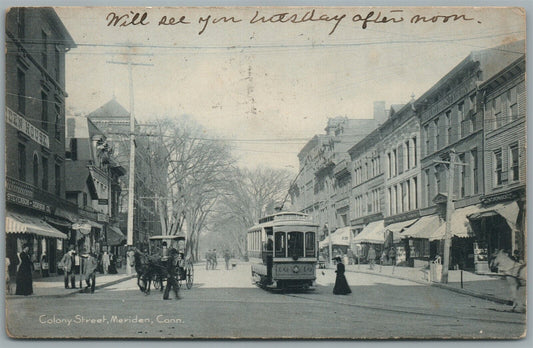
x=269, y=87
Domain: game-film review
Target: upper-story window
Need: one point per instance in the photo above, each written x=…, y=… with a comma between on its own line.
x=57, y=63
x=426, y=139
x=35, y=170
x=415, y=159
x=44, y=111
x=437, y=134
x=514, y=168
x=448, y=120
x=21, y=91
x=497, y=112
x=512, y=104
x=498, y=167
x=57, y=123
x=21, y=24
x=44, y=49
x=45, y=174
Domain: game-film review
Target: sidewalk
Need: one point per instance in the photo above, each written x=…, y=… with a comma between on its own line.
x=55, y=286
x=490, y=287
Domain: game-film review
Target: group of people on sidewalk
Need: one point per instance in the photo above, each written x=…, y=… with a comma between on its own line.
x=88, y=269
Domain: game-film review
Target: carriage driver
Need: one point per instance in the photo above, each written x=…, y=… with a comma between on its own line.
x=172, y=281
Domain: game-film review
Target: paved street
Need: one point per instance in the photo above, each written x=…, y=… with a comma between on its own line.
x=225, y=304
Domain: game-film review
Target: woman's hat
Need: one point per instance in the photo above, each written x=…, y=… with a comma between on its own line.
x=338, y=259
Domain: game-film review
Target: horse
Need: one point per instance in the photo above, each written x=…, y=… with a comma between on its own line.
x=147, y=268
x=515, y=273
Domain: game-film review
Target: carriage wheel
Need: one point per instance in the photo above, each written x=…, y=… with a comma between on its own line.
x=189, y=274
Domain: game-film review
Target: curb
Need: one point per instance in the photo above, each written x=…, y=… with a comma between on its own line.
x=72, y=293
x=443, y=286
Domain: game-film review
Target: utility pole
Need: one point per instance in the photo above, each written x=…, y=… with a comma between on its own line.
x=330, y=247
x=449, y=211
x=131, y=181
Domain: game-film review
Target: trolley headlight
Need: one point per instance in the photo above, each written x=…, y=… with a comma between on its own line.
x=296, y=269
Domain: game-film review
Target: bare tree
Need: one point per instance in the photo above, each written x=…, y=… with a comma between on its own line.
x=251, y=194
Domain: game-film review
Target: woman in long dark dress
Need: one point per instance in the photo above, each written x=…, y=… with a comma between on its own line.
x=341, y=285
x=24, y=279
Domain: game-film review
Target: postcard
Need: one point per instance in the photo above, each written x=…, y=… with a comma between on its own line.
x=265, y=172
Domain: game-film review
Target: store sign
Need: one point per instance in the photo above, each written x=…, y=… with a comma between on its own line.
x=27, y=128
x=508, y=196
x=28, y=203
x=103, y=201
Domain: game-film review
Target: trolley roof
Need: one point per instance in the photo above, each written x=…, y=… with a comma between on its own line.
x=285, y=218
x=167, y=237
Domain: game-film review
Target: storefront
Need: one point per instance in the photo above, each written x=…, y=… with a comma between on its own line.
x=373, y=235
x=416, y=239
x=393, y=237
x=46, y=242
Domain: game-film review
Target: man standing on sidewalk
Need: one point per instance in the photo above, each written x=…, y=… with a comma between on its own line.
x=67, y=262
x=89, y=271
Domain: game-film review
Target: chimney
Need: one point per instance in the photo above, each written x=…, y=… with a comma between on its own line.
x=380, y=115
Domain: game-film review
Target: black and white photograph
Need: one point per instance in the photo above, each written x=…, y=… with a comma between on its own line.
x=265, y=173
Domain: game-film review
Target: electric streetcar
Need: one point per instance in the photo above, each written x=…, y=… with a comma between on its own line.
x=282, y=248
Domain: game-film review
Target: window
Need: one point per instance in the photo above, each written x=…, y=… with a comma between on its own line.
x=57, y=171
x=475, y=171
x=35, y=170
x=57, y=63
x=461, y=111
x=407, y=161
x=389, y=161
x=393, y=200
x=436, y=129
x=497, y=112
x=295, y=244
x=448, y=120
x=399, y=199
x=85, y=199
x=414, y=192
x=44, y=52
x=45, y=174
x=406, y=199
x=401, y=158
x=472, y=105
x=415, y=159
x=462, y=176
x=22, y=162
x=498, y=167
x=21, y=24
x=512, y=104
x=57, y=123
x=389, y=198
x=368, y=203
x=428, y=188
x=513, y=162
x=21, y=91
x=279, y=244
x=44, y=111
x=426, y=139
x=309, y=244
x=394, y=162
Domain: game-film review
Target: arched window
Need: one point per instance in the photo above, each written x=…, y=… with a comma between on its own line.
x=35, y=170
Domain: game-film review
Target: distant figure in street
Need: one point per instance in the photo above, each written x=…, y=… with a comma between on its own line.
x=341, y=285
x=44, y=265
x=392, y=257
x=208, y=259
x=382, y=260
x=24, y=278
x=172, y=281
x=105, y=262
x=8, y=279
x=112, y=269
x=227, y=257
x=371, y=257
x=67, y=263
x=214, y=262
x=89, y=272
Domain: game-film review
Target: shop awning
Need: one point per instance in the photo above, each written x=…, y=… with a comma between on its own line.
x=508, y=210
x=460, y=225
x=22, y=223
x=400, y=226
x=340, y=237
x=423, y=228
x=115, y=235
x=372, y=233
x=86, y=224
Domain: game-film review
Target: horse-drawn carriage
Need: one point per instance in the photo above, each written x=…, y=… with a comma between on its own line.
x=165, y=258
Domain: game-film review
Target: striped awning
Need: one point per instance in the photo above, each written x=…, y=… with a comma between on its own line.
x=115, y=235
x=25, y=224
x=373, y=233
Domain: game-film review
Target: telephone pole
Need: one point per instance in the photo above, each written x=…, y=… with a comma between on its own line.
x=449, y=211
x=131, y=179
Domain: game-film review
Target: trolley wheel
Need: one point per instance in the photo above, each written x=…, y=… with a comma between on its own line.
x=189, y=275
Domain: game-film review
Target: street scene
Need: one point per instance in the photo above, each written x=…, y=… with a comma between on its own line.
x=270, y=173
x=380, y=306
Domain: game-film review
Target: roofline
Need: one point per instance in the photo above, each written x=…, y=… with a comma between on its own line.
x=69, y=41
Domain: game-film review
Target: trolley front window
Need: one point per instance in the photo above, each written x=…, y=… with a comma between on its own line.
x=295, y=244
x=279, y=244
x=309, y=244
